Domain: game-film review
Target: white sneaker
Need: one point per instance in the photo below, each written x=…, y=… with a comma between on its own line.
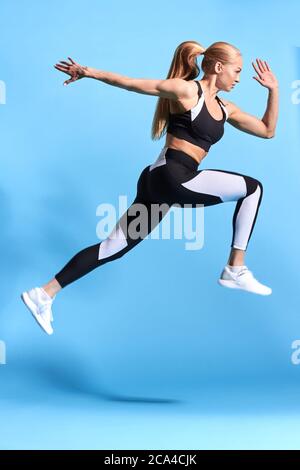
x=244, y=280
x=39, y=303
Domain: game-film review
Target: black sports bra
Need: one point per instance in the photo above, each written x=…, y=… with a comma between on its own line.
x=197, y=125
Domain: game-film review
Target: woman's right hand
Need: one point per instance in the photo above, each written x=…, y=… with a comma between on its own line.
x=76, y=71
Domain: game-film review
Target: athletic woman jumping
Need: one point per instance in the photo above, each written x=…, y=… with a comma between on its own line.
x=193, y=117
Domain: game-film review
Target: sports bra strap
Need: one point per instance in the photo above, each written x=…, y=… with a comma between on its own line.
x=223, y=107
x=199, y=88
x=220, y=101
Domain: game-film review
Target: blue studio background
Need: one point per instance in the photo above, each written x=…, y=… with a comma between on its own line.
x=148, y=352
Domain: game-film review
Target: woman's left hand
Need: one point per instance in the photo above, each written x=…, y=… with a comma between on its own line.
x=265, y=75
x=75, y=70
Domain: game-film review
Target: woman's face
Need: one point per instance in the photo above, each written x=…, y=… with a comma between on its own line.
x=229, y=75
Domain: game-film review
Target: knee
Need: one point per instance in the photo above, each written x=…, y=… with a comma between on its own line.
x=259, y=184
x=253, y=185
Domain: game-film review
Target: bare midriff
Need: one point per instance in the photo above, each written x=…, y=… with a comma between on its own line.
x=197, y=153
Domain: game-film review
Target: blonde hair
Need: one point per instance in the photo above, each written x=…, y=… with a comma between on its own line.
x=184, y=65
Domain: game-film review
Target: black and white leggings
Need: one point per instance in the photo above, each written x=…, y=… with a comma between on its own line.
x=172, y=179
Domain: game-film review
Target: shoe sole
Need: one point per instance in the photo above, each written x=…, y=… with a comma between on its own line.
x=31, y=306
x=233, y=285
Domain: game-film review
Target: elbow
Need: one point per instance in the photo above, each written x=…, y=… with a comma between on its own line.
x=269, y=134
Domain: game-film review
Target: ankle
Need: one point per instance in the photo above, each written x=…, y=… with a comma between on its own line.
x=236, y=268
x=49, y=292
x=233, y=265
x=52, y=288
x=236, y=262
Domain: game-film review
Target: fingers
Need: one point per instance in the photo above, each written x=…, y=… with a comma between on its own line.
x=260, y=65
x=64, y=66
x=71, y=60
x=73, y=79
x=58, y=67
x=256, y=69
x=61, y=67
x=257, y=79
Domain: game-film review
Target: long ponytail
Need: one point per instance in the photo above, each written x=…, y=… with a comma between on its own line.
x=183, y=66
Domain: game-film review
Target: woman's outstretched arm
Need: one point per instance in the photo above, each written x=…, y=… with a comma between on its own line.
x=173, y=88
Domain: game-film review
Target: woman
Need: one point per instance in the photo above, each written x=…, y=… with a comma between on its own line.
x=193, y=117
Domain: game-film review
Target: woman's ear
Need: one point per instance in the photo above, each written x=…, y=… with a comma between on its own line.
x=218, y=67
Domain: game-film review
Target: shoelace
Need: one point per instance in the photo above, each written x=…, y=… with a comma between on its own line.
x=245, y=272
x=44, y=307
